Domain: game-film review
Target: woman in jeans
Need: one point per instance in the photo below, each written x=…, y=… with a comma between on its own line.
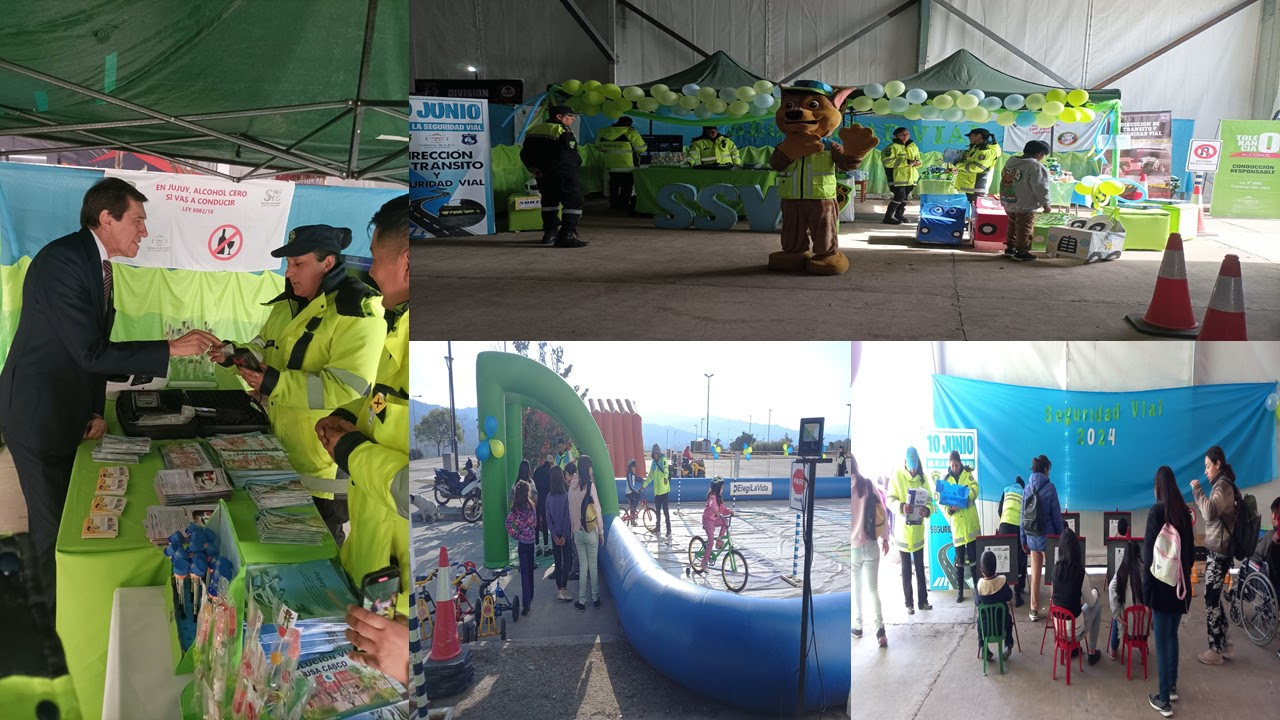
x=1167, y=608
x=559, y=528
x=1218, y=508
x=870, y=528
x=587, y=522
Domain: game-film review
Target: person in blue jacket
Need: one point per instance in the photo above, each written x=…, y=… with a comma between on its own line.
x=1044, y=521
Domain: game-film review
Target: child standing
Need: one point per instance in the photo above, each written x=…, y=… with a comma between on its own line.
x=993, y=590
x=634, y=489
x=560, y=531
x=713, y=518
x=522, y=526
x=1024, y=186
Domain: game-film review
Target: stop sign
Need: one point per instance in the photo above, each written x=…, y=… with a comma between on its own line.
x=797, y=481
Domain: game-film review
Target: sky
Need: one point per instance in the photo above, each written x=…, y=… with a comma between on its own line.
x=793, y=379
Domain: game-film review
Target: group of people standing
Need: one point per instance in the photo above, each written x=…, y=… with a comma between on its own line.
x=901, y=160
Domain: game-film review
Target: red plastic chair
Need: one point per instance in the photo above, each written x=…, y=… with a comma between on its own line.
x=1136, y=624
x=1064, y=640
x=1048, y=625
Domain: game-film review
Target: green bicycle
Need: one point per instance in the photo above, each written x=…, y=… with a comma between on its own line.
x=733, y=565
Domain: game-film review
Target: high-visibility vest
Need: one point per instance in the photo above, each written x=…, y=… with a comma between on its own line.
x=617, y=145
x=897, y=159
x=658, y=475
x=964, y=522
x=721, y=151
x=1011, y=510
x=908, y=538
x=810, y=178
x=973, y=172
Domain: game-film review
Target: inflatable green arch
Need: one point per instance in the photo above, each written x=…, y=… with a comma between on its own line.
x=506, y=384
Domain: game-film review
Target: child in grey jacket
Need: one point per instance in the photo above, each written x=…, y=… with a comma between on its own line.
x=1024, y=187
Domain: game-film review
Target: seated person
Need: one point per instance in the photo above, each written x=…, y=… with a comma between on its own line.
x=1125, y=589
x=711, y=149
x=994, y=590
x=471, y=475
x=1070, y=585
x=1268, y=549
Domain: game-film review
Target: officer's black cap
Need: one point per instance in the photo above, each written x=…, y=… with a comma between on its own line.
x=555, y=110
x=314, y=238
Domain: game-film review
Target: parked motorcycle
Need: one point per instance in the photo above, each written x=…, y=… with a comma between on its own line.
x=450, y=485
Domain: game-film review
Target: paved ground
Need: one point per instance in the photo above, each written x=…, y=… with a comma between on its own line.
x=931, y=665
x=636, y=281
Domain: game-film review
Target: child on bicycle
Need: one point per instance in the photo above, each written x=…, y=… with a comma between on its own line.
x=713, y=518
x=634, y=491
x=522, y=526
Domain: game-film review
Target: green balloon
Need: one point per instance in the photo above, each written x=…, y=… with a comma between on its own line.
x=717, y=106
x=593, y=97
x=573, y=87
x=746, y=93
x=862, y=103
x=762, y=87
x=942, y=102
x=739, y=108
x=688, y=102
x=881, y=106
x=657, y=89
x=647, y=104
x=967, y=102
x=611, y=91
x=706, y=94
x=632, y=93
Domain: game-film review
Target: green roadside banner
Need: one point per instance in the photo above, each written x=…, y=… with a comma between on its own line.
x=1247, y=184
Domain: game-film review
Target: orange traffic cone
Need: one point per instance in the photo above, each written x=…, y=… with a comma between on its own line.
x=1224, y=320
x=444, y=642
x=1170, y=312
x=1198, y=196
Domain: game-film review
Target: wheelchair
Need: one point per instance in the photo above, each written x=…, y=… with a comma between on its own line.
x=1251, y=602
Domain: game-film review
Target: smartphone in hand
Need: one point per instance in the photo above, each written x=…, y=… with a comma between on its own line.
x=379, y=589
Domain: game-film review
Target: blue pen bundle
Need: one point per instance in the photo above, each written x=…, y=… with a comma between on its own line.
x=196, y=566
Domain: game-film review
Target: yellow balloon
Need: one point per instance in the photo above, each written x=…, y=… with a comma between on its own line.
x=591, y=85
x=1056, y=95
x=1083, y=189
x=717, y=106
x=573, y=87
x=1078, y=97
x=943, y=102
x=912, y=113
x=881, y=106
x=658, y=89
x=1053, y=107
x=862, y=103
x=977, y=114
x=1043, y=120
x=1111, y=187
x=894, y=88
x=496, y=448
x=1005, y=119
x=593, y=97
x=611, y=91
x=1034, y=101
x=967, y=102
x=1087, y=115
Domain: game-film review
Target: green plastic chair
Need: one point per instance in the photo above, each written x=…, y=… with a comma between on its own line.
x=991, y=619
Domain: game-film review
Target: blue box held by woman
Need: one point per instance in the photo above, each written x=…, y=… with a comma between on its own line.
x=952, y=494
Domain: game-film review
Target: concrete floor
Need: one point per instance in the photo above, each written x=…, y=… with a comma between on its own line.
x=636, y=281
x=931, y=664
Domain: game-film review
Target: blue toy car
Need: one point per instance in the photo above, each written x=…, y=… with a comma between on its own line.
x=952, y=495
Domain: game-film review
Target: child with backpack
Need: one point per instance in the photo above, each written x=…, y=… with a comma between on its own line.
x=522, y=526
x=1041, y=517
x=1219, y=511
x=1168, y=549
x=713, y=518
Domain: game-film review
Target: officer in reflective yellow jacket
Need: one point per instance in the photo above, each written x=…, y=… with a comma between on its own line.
x=973, y=172
x=712, y=149
x=369, y=437
x=317, y=351
x=620, y=145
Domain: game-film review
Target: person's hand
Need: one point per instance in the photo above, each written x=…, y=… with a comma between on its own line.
x=1046, y=208
x=253, y=377
x=902, y=507
x=884, y=546
x=96, y=428
x=215, y=354
x=330, y=441
x=1195, y=484
x=196, y=342
x=915, y=163
x=378, y=643
x=1026, y=550
x=332, y=425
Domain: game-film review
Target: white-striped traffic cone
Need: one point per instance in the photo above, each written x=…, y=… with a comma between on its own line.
x=1224, y=320
x=1169, y=313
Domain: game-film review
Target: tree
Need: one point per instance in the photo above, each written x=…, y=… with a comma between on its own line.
x=557, y=364
x=434, y=428
x=539, y=435
x=744, y=440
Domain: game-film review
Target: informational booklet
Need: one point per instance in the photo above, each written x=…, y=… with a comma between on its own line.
x=96, y=526
x=250, y=460
x=343, y=688
x=121, y=449
x=183, y=487
x=917, y=501
x=164, y=521
x=293, y=525
x=107, y=505
x=187, y=456
x=278, y=494
x=245, y=442
x=113, y=480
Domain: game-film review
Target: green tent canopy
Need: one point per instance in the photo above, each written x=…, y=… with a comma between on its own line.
x=717, y=71
x=291, y=85
x=962, y=70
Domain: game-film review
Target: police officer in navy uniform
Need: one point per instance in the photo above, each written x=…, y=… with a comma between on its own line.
x=550, y=153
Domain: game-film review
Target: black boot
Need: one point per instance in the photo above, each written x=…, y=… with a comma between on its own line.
x=568, y=235
x=900, y=212
x=889, y=218
x=550, y=225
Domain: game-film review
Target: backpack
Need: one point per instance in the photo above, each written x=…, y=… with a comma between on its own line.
x=873, y=515
x=1166, y=559
x=1248, y=523
x=588, y=513
x=1032, y=523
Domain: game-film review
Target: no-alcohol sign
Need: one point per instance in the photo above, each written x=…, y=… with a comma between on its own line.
x=225, y=242
x=1203, y=156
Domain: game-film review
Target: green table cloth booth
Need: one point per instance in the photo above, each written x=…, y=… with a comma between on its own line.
x=89, y=571
x=649, y=180
x=1145, y=229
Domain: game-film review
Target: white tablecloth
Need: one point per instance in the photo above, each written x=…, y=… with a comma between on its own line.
x=140, y=682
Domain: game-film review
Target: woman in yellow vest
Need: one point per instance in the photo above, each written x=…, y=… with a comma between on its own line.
x=973, y=172
x=620, y=145
x=369, y=438
x=909, y=529
x=659, y=470
x=318, y=351
x=964, y=523
x=901, y=160
x=1010, y=512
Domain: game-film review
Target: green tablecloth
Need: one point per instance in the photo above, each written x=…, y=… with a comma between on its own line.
x=89, y=571
x=649, y=180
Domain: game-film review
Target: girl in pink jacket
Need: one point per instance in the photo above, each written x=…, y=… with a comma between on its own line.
x=713, y=518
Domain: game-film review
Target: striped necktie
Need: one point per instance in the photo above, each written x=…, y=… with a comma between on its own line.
x=106, y=285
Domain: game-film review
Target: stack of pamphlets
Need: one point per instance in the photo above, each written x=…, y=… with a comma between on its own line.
x=187, y=456
x=253, y=456
x=162, y=522
x=317, y=591
x=99, y=526
x=342, y=687
x=107, y=506
x=113, y=481
x=183, y=487
x=278, y=494
x=291, y=525
x=121, y=449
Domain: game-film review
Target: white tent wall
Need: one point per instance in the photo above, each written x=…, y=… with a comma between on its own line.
x=534, y=40
x=1108, y=367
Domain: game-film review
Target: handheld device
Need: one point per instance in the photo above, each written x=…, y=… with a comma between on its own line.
x=379, y=589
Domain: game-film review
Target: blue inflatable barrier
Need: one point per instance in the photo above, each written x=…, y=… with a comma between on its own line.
x=755, y=642
x=773, y=488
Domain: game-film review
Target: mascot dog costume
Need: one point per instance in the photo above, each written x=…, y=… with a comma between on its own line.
x=808, y=113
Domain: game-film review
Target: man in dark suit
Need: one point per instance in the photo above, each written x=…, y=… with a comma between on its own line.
x=53, y=387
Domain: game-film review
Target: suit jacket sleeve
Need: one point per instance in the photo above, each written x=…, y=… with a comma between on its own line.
x=65, y=290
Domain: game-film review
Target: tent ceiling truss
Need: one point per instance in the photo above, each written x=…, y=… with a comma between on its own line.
x=656, y=23
x=277, y=156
